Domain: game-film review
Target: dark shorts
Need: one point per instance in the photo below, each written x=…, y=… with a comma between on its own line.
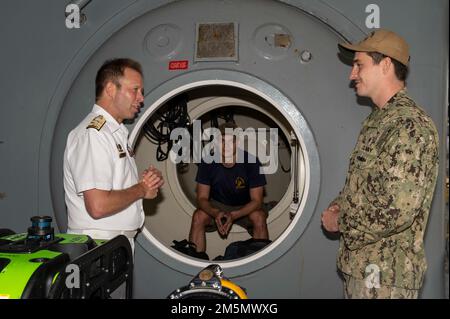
x=243, y=222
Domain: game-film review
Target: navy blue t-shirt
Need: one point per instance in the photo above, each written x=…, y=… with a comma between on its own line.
x=231, y=186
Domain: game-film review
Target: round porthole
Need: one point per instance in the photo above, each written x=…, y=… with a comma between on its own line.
x=168, y=218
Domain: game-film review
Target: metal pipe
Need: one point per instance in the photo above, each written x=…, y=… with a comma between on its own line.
x=295, y=166
x=294, y=169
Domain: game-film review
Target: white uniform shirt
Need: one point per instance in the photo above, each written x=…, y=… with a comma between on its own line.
x=99, y=158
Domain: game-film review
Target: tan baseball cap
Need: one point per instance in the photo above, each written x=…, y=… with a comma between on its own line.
x=382, y=41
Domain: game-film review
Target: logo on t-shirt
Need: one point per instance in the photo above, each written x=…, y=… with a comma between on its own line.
x=239, y=183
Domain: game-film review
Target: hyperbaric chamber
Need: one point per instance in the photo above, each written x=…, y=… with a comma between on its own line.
x=254, y=103
x=168, y=218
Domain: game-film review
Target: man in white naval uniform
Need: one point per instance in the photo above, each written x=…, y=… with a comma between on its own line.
x=103, y=191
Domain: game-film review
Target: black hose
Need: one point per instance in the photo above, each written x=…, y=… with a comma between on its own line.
x=159, y=127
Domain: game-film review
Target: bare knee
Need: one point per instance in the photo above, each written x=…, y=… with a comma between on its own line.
x=258, y=218
x=200, y=218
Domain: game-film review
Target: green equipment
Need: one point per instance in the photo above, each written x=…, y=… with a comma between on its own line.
x=41, y=264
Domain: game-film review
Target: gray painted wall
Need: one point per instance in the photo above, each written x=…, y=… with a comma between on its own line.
x=39, y=51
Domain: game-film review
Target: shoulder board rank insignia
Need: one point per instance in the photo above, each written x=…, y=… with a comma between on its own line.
x=97, y=123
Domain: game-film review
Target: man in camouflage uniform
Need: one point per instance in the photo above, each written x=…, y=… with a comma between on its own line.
x=382, y=211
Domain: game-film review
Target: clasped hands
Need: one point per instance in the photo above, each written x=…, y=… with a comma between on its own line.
x=224, y=221
x=151, y=181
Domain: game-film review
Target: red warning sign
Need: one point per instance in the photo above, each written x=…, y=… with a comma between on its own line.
x=178, y=65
